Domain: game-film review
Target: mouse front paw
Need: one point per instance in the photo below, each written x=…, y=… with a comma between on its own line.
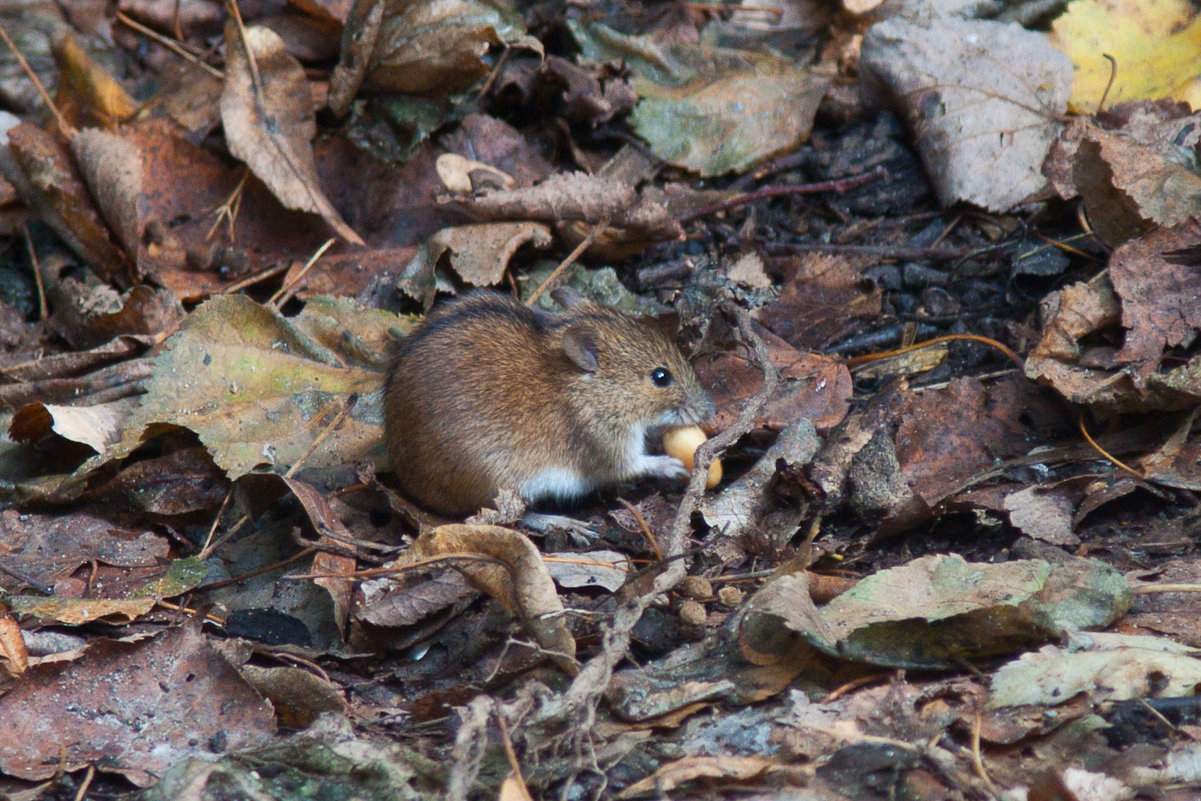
x=662, y=467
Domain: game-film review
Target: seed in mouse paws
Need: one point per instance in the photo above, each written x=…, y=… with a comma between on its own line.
x=682, y=444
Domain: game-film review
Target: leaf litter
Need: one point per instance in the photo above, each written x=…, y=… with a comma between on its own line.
x=917, y=558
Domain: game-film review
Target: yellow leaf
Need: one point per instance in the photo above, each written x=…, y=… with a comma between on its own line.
x=1154, y=42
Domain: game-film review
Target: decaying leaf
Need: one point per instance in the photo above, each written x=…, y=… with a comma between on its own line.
x=937, y=611
x=1105, y=666
x=267, y=111
x=257, y=390
x=508, y=567
x=177, y=696
x=968, y=105
x=709, y=109
x=77, y=611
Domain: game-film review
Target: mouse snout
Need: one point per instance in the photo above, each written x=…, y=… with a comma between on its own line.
x=698, y=406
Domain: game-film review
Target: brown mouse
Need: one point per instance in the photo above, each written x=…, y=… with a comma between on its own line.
x=487, y=393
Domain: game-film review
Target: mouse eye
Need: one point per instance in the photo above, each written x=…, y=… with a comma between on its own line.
x=661, y=377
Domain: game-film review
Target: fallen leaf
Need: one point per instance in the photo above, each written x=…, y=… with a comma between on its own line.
x=112, y=168
x=87, y=95
x=257, y=390
x=1153, y=44
x=709, y=109
x=937, y=611
x=975, y=92
x=512, y=572
x=1110, y=668
x=176, y=698
x=266, y=108
x=478, y=254
x=420, y=48
x=42, y=171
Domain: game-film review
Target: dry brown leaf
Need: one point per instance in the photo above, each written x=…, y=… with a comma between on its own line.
x=1128, y=189
x=479, y=254
x=571, y=197
x=1158, y=296
x=112, y=168
x=811, y=385
x=982, y=97
x=43, y=173
x=520, y=582
x=12, y=645
x=702, y=768
x=267, y=111
x=824, y=299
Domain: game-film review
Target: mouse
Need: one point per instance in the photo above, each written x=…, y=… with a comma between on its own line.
x=487, y=393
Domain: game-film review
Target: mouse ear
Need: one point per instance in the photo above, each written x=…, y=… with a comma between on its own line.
x=567, y=297
x=579, y=344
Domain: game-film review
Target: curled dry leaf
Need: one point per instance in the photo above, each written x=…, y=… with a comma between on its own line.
x=87, y=95
x=1129, y=188
x=112, y=167
x=461, y=175
x=937, y=611
x=12, y=645
x=520, y=582
x=478, y=254
x=266, y=108
x=1153, y=297
x=42, y=171
x=99, y=427
x=568, y=197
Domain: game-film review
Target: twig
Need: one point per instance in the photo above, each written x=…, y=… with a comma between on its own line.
x=172, y=45
x=1106, y=454
x=64, y=127
x=286, y=291
x=552, y=279
x=840, y=185
x=580, y=700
